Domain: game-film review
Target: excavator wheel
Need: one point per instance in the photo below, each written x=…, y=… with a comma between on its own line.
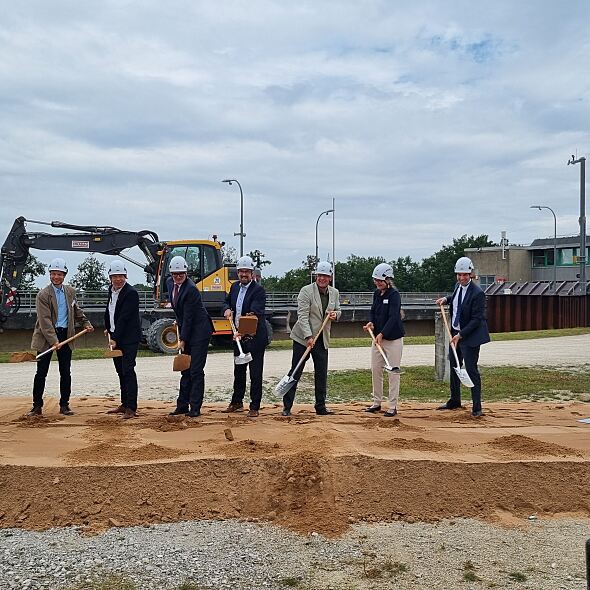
x=161, y=336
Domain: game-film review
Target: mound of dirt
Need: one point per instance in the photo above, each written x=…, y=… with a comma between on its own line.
x=36, y=421
x=113, y=454
x=519, y=445
x=413, y=444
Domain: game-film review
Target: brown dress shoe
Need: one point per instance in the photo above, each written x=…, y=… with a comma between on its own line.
x=128, y=413
x=119, y=410
x=65, y=410
x=253, y=413
x=233, y=408
x=36, y=411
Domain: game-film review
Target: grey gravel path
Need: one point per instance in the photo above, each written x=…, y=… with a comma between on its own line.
x=547, y=555
x=157, y=381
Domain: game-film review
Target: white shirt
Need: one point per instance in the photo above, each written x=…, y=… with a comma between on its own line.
x=112, y=305
x=455, y=321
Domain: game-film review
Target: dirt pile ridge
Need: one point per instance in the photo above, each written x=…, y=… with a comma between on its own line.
x=308, y=473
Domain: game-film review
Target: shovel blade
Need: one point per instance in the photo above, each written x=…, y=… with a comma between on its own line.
x=464, y=377
x=21, y=357
x=284, y=385
x=182, y=362
x=111, y=354
x=243, y=359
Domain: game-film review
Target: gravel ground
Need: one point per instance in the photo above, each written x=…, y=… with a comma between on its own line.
x=537, y=554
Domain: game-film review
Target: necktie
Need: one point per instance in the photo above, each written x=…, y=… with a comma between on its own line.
x=458, y=314
x=175, y=294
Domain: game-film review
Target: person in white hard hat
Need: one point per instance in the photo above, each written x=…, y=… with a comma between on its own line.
x=123, y=326
x=314, y=302
x=386, y=324
x=247, y=297
x=195, y=329
x=469, y=330
x=58, y=314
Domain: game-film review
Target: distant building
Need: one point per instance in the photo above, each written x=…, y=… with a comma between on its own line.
x=507, y=263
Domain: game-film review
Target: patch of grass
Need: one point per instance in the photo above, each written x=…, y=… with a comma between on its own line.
x=395, y=568
x=499, y=384
x=518, y=576
x=110, y=582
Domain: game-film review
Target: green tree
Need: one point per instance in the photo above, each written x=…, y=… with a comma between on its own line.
x=33, y=269
x=258, y=257
x=406, y=274
x=229, y=255
x=356, y=273
x=91, y=275
x=436, y=271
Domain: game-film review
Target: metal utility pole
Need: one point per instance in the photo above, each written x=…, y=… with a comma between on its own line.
x=241, y=234
x=582, y=253
x=333, y=242
x=539, y=207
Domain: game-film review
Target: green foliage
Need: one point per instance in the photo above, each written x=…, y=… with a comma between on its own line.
x=258, y=258
x=292, y=281
x=91, y=275
x=436, y=271
x=142, y=287
x=407, y=274
x=355, y=274
x=33, y=269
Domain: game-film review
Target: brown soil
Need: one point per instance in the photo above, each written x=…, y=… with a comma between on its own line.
x=306, y=473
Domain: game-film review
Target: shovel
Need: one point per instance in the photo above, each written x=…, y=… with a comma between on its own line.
x=461, y=373
x=20, y=357
x=182, y=362
x=110, y=354
x=243, y=358
x=287, y=382
x=388, y=366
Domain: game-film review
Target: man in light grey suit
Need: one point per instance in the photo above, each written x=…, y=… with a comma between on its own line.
x=313, y=303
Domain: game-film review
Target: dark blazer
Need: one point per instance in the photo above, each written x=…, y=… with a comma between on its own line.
x=386, y=314
x=472, y=316
x=127, y=322
x=254, y=302
x=193, y=320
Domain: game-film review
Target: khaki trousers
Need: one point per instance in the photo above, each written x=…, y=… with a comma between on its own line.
x=393, y=351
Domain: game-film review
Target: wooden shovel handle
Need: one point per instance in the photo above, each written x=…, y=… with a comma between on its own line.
x=310, y=346
x=444, y=316
x=64, y=342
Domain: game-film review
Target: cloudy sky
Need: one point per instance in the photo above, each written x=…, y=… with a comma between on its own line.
x=424, y=120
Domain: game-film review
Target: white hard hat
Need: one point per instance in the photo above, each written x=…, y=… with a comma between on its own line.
x=324, y=268
x=383, y=271
x=178, y=264
x=117, y=267
x=58, y=264
x=245, y=263
x=464, y=264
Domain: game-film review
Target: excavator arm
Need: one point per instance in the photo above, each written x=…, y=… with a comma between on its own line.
x=96, y=239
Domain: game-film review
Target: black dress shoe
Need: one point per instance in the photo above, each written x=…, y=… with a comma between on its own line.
x=448, y=407
x=193, y=414
x=286, y=412
x=373, y=409
x=391, y=413
x=36, y=411
x=65, y=410
x=178, y=412
x=324, y=412
x=477, y=414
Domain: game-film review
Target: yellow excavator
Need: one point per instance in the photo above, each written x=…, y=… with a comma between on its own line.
x=204, y=258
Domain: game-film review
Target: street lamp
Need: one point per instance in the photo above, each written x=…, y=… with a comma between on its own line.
x=582, y=256
x=241, y=234
x=316, y=231
x=539, y=207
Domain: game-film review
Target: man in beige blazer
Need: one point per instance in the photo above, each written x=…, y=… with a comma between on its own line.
x=313, y=303
x=57, y=316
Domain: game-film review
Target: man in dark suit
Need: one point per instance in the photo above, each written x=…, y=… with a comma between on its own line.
x=195, y=329
x=247, y=297
x=469, y=330
x=122, y=323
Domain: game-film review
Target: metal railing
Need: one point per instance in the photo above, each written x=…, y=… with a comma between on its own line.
x=98, y=299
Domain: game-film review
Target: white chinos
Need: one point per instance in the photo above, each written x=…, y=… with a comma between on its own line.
x=393, y=351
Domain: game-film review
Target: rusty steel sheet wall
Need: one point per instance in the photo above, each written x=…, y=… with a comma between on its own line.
x=517, y=313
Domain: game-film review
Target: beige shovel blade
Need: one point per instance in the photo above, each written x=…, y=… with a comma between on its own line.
x=21, y=357
x=111, y=354
x=182, y=362
x=464, y=377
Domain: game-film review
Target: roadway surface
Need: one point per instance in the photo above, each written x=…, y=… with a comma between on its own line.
x=157, y=381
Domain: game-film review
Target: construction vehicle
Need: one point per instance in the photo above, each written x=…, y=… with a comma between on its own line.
x=204, y=259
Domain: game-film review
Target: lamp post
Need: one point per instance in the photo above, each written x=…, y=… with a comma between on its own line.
x=241, y=234
x=539, y=207
x=316, y=231
x=582, y=256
